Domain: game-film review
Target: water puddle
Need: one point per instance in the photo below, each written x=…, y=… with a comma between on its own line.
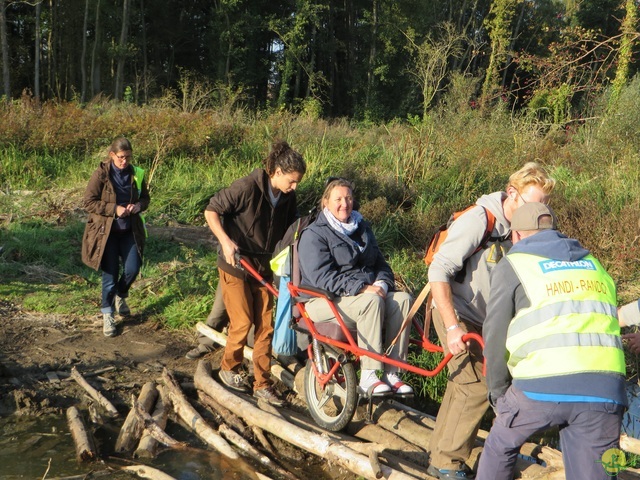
x=31, y=448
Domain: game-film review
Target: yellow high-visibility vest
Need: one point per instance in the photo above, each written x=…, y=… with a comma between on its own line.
x=138, y=177
x=571, y=325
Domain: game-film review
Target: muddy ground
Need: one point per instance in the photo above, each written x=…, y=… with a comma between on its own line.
x=35, y=349
x=37, y=353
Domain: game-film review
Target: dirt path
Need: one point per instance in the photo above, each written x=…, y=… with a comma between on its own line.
x=34, y=349
x=34, y=346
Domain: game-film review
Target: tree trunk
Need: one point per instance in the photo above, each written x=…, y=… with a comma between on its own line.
x=372, y=54
x=36, y=53
x=514, y=36
x=83, y=55
x=311, y=442
x=145, y=73
x=499, y=27
x=122, y=51
x=625, y=52
x=95, y=63
x=6, y=67
x=50, y=51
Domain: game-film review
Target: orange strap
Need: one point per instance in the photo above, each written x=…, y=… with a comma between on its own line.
x=412, y=313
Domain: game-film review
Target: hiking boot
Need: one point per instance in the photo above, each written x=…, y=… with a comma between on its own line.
x=371, y=385
x=397, y=385
x=443, y=474
x=269, y=395
x=234, y=380
x=121, y=307
x=200, y=351
x=109, y=325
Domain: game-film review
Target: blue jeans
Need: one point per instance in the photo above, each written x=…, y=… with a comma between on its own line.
x=120, y=245
x=587, y=430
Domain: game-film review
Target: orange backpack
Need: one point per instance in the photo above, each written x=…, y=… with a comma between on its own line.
x=440, y=236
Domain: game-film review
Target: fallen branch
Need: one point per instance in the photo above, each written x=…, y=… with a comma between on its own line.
x=232, y=436
x=392, y=442
x=153, y=429
x=131, y=430
x=277, y=370
x=95, y=394
x=629, y=444
x=227, y=416
x=83, y=476
x=316, y=444
x=193, y=419
x=262, y=439
x=145, y=471
x=148, y=444
x=85, y=447
x=396, y=462
x=375, y=463
x=66, y=377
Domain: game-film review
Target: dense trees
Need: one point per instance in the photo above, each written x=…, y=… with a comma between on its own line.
x=372, y=59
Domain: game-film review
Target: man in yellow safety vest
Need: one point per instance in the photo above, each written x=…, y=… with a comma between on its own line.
x=553, y=350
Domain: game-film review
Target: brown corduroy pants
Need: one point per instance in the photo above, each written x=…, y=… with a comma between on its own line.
x=248, y=303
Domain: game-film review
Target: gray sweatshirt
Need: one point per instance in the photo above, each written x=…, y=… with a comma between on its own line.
x=471, y=290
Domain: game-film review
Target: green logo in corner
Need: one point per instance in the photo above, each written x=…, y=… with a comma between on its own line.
x=613, y=461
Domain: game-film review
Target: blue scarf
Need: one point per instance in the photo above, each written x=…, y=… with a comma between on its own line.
x=121, y=179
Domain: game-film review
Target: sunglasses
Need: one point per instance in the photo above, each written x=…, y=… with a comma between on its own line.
x=335, y=179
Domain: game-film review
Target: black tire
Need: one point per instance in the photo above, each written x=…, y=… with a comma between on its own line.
x=332, y=408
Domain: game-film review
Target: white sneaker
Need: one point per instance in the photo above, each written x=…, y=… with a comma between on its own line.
x=370, y=384
x=109, y=325
x=397, y=385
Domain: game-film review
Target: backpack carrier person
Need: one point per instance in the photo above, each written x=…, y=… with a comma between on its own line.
x=459, y=279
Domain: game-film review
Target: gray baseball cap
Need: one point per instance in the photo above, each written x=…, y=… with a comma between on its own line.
x=533, y=216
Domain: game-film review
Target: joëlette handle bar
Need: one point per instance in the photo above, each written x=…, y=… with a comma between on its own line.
x=351, y=346
x=242, y=263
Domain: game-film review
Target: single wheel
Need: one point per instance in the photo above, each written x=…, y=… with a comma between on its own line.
x=332, y=406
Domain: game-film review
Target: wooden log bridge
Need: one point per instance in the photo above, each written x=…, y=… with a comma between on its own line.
x=397, y=439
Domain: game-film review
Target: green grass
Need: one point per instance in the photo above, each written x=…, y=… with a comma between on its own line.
x=409, y=177
x=41, y=269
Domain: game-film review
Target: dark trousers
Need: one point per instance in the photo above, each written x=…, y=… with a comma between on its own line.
x=120, y=246
x=587, y=430
x=218, y=320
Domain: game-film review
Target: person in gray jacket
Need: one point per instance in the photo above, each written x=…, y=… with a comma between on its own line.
x=338, y=253
x=459, y=278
